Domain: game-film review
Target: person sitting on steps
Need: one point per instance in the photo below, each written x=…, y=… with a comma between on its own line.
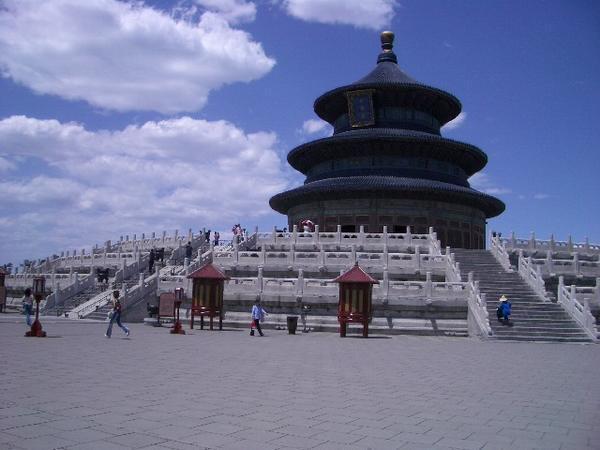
x=504, y=310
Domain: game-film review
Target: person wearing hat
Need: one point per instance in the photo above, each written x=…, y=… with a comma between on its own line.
x=504, y=310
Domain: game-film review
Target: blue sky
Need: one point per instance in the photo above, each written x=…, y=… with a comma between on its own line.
x=119, y=118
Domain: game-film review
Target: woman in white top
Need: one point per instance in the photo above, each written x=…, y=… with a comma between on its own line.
x=28, y=306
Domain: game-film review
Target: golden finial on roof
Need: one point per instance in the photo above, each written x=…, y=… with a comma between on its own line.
x=387, y=41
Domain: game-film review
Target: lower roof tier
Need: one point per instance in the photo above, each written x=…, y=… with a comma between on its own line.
x=387, y=141
x=386, y=187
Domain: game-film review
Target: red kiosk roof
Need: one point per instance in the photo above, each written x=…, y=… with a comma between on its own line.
x=356, y=275
x=208, y=271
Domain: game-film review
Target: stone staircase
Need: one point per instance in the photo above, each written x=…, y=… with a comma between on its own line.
x=102, y=312
x=533, y=319
x=75, y=301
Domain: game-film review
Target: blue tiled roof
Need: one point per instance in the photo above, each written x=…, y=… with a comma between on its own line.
x=386, y=187
x=469, y=157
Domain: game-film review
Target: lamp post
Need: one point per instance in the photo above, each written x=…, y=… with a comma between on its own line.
x=39, y=288
x=177, y=328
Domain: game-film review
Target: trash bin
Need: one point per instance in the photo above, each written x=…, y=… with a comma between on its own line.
x=292, y=324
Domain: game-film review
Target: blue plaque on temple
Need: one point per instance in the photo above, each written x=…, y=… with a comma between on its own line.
x=360, y=108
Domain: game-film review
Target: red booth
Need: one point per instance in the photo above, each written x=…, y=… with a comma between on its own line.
x=207, y=294
x=356, y=287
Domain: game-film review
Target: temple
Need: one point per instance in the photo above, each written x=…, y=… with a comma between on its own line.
x=387, y=164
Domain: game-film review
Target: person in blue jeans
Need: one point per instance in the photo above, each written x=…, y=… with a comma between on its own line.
x=116, y=316
x=28, y=306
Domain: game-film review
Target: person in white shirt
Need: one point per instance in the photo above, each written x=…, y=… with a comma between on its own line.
x=28, y=306
x=258, y=315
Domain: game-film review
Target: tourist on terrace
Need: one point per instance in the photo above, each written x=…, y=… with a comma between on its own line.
x=188, y=251
x=258, y=315
x=116, y=316
x=207, y=236
x=151, y=259
x=28, y=306
x=217, y=237
x=505, y=309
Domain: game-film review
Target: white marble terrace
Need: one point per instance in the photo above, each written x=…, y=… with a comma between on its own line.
x=557, y=257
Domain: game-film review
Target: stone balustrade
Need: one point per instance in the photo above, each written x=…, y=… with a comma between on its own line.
x=567, y=297
x=532, y=275
x=124, y=245
x=478, y=318
x=589, y=293
x=498, y=249
x=60, y=294
x=25, y=280
x=326, y=291
x=514, y=243
x=552, y=264
x=368, y=241
x=333, y=261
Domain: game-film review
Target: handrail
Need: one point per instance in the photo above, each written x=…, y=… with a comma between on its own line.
x=98, y=301
x=533, y=277
x=498, y=249
x=514, y=243
x=580, y=313
x=478, y=318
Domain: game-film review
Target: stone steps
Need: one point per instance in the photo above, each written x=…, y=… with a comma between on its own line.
x=532, y=318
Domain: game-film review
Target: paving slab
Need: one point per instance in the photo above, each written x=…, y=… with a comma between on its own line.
x=77, y=390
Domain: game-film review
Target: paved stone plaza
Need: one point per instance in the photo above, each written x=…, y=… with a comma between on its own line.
x=79, y=390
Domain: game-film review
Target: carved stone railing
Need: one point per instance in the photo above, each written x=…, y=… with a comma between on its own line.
x=581, y=313
x=514, y=243
x=24, y=280
x=319, y=290
x=498, y=249
x=553, y=264
x=370, y=241
x=333, y=261
x=201, y=260
x=98, y=301
x=532, y=276
x=478, y=319
x=452, y=267
x=147, y=243
x=589, y=293
x=124, y=245
x=60, y=295
x=146, y=288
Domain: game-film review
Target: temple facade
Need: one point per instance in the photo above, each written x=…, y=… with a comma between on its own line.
x=387, y=164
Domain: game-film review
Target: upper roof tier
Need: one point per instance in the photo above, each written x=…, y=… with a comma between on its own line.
x=388, y=78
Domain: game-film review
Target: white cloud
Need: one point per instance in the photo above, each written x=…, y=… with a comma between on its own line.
x=151, y=177
x=456, y=122
x=482, y=182
x=540, y=196
x=372, y=14
x=234, y=11
x=316, y=126
x=6, y=165
x=126, y=56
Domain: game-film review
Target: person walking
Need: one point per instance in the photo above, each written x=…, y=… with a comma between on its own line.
x=116, y=316
x=258, y=315
x=27, y=302
x=217, y=237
